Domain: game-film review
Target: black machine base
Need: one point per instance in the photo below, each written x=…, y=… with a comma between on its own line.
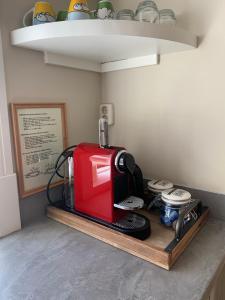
x=132, y=224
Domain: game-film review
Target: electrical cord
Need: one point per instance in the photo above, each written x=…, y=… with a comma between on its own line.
x=58, y=159
x=52, y=176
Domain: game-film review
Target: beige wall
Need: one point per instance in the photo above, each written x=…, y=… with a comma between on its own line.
x=171, y=116
x=30, y=80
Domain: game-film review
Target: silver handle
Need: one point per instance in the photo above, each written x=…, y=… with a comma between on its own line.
x=71, y=174
x=25, y=24
x=103, y=133
x=183, y=213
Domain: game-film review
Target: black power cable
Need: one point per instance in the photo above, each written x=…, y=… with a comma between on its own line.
x=53, y=175
x=58, y=159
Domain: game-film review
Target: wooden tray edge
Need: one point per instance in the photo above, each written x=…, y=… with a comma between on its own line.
x=121, y=241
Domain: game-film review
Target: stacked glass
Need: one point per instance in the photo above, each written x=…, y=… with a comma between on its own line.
x=167, y=16
x=147, y=11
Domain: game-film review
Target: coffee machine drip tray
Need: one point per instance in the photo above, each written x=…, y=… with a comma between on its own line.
x=131, y=203
x=131, y=221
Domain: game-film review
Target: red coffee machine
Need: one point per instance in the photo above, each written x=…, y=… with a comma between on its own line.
x=99, y=183
x=107, y=186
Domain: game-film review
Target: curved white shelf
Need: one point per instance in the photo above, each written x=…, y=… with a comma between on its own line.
x=103, y=45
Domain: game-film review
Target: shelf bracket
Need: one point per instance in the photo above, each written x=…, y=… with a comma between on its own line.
x=71, y=62
x=130, y=63
x=77, y=63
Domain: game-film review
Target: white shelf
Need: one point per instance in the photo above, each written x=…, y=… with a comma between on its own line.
x=103, y=45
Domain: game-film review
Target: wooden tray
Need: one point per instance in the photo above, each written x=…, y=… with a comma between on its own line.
x=154, y=249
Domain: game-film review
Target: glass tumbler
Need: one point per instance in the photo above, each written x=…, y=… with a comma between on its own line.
x=105, y=10
x=147, y=11
x=125, y=14
x=167, y=16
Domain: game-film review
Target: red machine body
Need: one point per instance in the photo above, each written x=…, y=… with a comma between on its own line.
x=97, y=182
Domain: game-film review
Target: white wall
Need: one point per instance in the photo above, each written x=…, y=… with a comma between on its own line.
x=28, y=79
x=2, y=81
x=171, y=116
x=1, y=156
x=9, y=201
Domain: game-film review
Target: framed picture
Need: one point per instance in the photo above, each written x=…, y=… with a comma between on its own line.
x=40, y=135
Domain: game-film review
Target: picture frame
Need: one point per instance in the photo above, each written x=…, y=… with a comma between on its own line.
x=40, y=136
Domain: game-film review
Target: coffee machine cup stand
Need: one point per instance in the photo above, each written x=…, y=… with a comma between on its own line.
x=103, y=184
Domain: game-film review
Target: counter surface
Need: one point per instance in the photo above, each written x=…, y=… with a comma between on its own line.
x=47, y=260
